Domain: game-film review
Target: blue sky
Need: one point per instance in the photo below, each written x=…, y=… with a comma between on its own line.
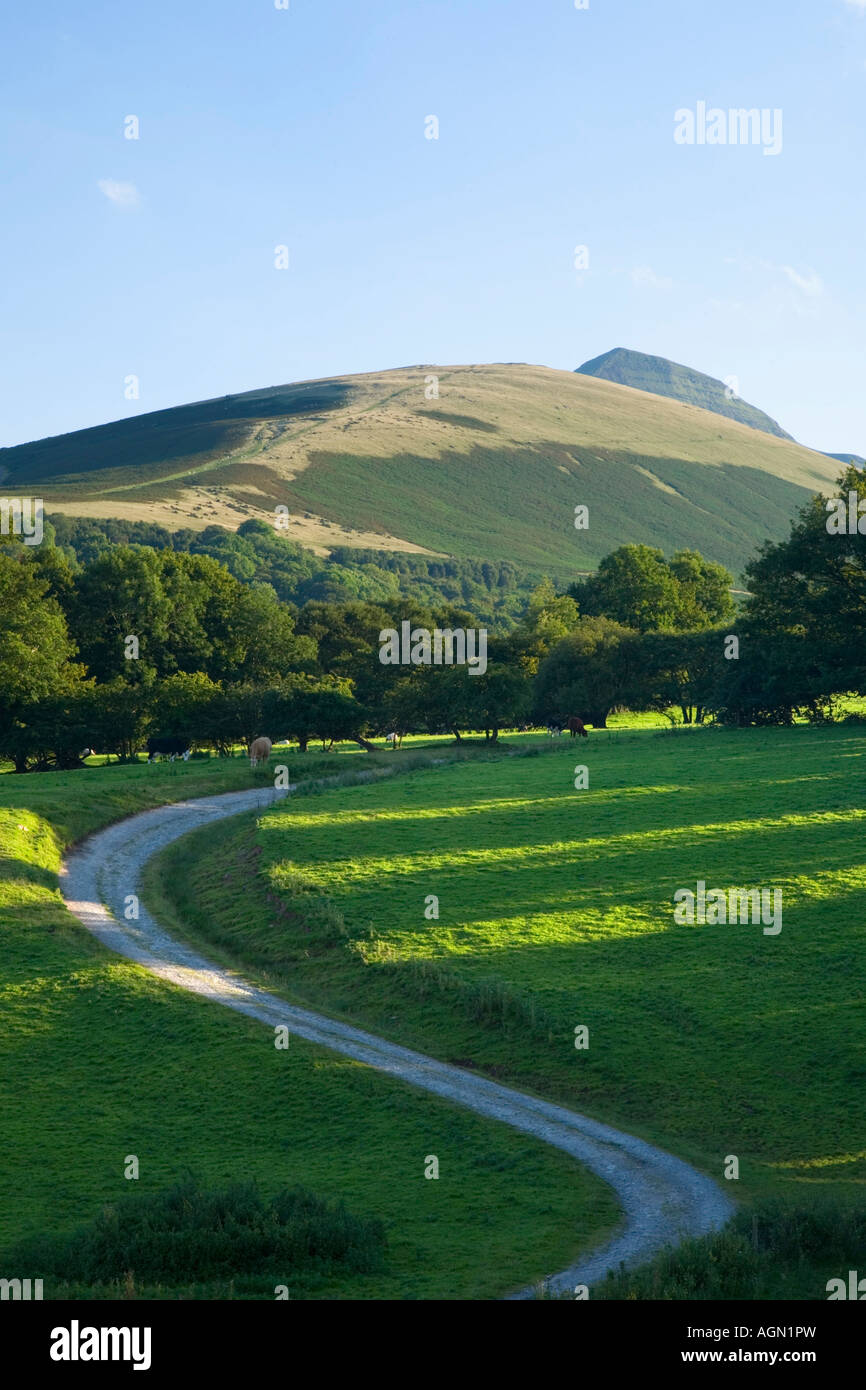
x=305, y=127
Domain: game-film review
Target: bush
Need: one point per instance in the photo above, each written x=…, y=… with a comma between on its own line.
x=189, y=1234
x=775, y=1249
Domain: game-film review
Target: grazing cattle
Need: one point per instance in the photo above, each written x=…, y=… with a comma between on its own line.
x=395, y=739
x=577, y=727
x=260, y=751
x=554, y=730
x=168, y=745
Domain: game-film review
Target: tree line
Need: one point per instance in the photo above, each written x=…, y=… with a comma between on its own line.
x=139, y=639
x=495, y=591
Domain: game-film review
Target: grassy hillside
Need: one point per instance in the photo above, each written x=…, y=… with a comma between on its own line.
x=492, y=469
x=665, y=378
x=556, y=910
x=849, y=458
x=99, y=1059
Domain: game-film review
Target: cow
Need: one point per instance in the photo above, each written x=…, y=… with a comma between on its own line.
x=168, y=745
x=577, y=727
x=554, y=730
x=260, y=751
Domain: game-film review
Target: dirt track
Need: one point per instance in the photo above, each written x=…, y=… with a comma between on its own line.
x=663, y=1199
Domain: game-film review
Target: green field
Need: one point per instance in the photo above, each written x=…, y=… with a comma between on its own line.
x=101, y=1060
x=556, y=910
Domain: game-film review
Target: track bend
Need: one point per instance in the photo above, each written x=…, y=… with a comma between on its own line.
x=664, y=1199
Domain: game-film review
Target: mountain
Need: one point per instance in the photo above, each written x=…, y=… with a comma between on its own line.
x=664, y=378
x=491, y=469
x=849, y=458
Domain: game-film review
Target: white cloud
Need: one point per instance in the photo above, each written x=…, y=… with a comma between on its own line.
x=807, y=282
x=123, y=195
x=810, y=284
x=857, y=5
x=646, y=277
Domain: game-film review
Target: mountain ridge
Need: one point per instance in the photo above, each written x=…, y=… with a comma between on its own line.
x=477, y=461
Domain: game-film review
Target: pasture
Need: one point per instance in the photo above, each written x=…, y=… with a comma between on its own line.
x=100, y=1061
x=556, y=910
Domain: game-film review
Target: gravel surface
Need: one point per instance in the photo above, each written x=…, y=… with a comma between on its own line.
x=663, y=1199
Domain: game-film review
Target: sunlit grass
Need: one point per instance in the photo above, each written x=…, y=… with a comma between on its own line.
x=98, y=1060
x=712, y=1040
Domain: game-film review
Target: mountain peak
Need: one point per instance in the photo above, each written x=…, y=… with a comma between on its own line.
x=662, y=377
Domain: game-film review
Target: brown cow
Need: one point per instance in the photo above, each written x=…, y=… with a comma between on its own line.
x=577, y=726
x=260, y=751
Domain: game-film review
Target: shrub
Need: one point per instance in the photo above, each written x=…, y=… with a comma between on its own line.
x=776, y=1249
x=189, y=1234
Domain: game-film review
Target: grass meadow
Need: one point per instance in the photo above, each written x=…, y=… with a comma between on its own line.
x=100, y=1060
x=556, y=910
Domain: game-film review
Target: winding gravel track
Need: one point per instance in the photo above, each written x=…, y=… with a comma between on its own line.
x=663, y=1199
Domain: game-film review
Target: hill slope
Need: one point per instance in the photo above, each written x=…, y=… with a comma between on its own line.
x=849, y=458
x=665, y=378
x=492, y=469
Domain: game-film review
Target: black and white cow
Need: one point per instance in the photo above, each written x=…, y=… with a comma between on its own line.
x=167, y=745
